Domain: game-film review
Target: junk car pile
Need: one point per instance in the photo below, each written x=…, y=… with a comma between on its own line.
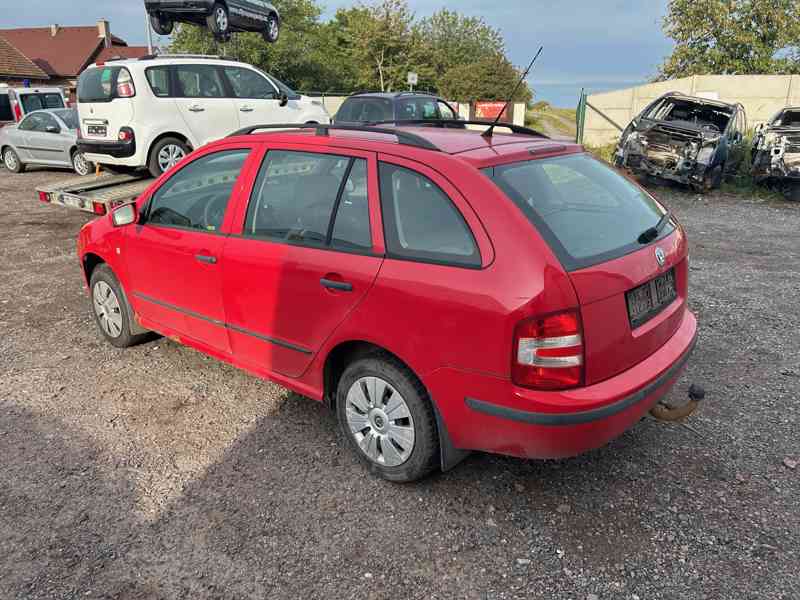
x=776, y=151
x=685, y=139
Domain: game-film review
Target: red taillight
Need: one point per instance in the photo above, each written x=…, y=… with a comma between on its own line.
x=125, y=135
x=548, y=352
x=125, y=87
x=98, y=208
x=44, y=197
x=17, y=112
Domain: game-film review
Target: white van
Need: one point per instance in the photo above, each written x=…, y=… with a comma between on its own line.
x=16, y=102
x=151, y=112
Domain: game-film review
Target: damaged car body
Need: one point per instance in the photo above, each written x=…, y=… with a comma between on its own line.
x=776, y=152
x=693, y=141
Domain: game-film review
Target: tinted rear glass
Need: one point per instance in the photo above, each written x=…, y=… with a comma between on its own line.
x=5, y=108
x=586, y=211
x=97, y=85
x=37, y=101
x=357, y=110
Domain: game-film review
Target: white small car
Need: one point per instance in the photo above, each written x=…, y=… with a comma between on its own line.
x=153, y=111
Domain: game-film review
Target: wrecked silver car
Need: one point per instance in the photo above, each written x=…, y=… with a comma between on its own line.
x=693, y=141
x=776, y=152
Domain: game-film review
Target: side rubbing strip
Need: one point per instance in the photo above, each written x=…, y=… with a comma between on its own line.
x=235, y=328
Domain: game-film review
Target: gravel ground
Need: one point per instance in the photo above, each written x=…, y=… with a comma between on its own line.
x=156, y=472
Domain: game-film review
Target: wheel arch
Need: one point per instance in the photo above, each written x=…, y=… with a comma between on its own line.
x=89, y=262
x=162, y=136
x=345, y=353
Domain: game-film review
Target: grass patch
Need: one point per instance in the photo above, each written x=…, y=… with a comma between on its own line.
x=605, y=153
x=546, y=118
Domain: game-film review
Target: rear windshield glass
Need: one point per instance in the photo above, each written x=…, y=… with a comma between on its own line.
x=369, y=110
x=585, y=210
x=37, y=101
x=97, y=85
x=5, y=108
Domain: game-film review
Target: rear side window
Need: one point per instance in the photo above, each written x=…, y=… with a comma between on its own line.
x=197, y=196
x=98, y=84
x=5, y=108
x=421, y=223
x=199, y=81
x=311, y=199
x=586, y=211
x=417, y=108
x=158, y=78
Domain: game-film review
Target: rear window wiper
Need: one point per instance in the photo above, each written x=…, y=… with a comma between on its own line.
x=652, y=233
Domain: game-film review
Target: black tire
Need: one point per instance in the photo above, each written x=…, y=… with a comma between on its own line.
x=81, y=167
x=792, y=191
x=219, y=26
x=717, y=176
x=12, y=162
x=161, y=24
x=424, y=456
x=273, y=29
x=153, y=164
x=103, y=274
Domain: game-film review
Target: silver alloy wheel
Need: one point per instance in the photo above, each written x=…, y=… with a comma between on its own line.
x=169, y=156
x=107, y=308
x=80, y=164
x=221, y=18
x=10, y=160
x=380, y=421
x=274, y=29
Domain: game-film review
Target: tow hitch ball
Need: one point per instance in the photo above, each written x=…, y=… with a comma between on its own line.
x=663, y=412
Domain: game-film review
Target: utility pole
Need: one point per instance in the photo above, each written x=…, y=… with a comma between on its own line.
x=149, y=33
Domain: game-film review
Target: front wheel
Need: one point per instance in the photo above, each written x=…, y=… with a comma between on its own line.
x=80, y=165
x=219, y=21
x=273, y=29
x=12, y=162
x=110, y=307
x=161, y=24
x=387, y=417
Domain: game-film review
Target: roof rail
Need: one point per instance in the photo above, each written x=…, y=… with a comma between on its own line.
x=403, y=137
x=203, y=56
x=443, y=123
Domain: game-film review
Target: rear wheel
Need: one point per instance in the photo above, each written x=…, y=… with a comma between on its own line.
x=166, y=154
x=219, y=21
x=110, y=308
x=792, y=191
x=387, y=418
x=273, y=29
x=12, y=162
x=161, y=24
x=80, y=165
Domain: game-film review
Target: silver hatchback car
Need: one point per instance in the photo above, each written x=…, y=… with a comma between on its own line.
x=44, y=137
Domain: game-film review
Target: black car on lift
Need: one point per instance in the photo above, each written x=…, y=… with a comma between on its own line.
x=222, y=17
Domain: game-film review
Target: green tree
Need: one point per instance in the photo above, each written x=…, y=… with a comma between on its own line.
x=491, y=78
x=300, y=57
x=452, y=39
x=732, y=37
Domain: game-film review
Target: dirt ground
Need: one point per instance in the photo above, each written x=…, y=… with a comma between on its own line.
x=156, y=472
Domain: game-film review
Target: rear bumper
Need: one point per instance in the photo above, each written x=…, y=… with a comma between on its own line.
x=95, y=151
x=491, y=414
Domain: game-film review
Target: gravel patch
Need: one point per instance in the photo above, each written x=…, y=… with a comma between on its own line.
x=156, y=472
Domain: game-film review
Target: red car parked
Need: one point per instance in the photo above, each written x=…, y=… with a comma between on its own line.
x=441, y=290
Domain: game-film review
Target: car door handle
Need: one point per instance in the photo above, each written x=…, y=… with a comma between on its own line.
x=340, y=286
x=210, y=260
x=246, y=109
x=196, y=109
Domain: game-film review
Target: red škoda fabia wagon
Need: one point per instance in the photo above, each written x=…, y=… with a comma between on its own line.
x=442, y=291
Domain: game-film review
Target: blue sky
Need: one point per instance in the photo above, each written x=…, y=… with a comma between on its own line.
x=597, y=44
